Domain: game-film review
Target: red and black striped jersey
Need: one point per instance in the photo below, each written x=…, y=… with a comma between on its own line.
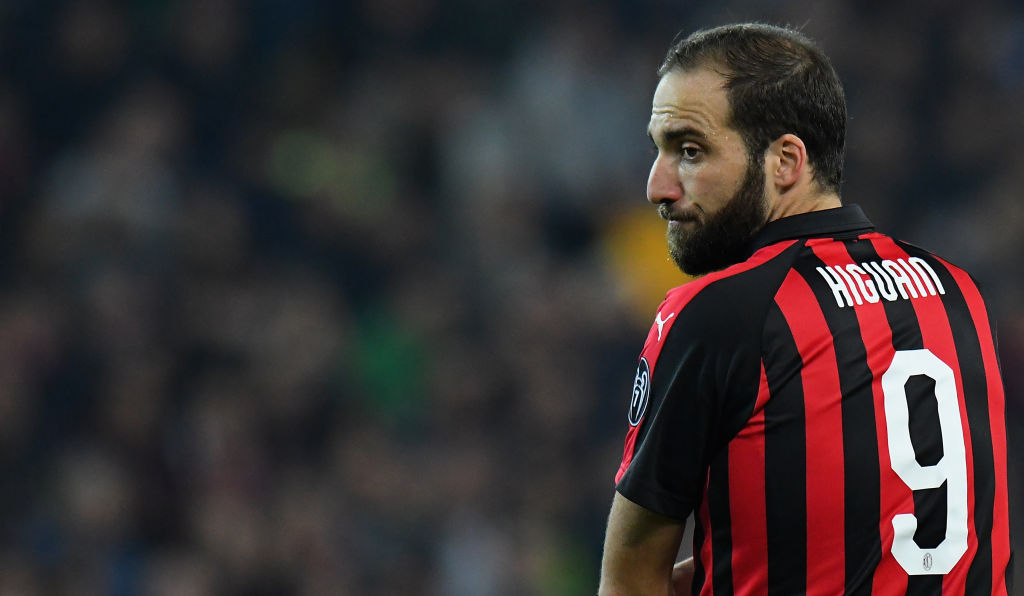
x=832, y=412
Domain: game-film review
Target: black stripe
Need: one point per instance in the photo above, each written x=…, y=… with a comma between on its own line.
x=863, y=542
x=721, y=528
x=698, y=543
x=1009, y=576
x=785, y=459
x=929, y=504
x=975, y=387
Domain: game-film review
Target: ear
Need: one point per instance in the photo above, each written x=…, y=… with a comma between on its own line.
x=787, y=161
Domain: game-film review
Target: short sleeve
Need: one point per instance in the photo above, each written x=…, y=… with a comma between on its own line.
x=704, y=376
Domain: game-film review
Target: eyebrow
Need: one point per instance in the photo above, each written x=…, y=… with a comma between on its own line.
x=674, y=134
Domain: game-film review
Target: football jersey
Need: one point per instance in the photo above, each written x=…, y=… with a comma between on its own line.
x=832, y=412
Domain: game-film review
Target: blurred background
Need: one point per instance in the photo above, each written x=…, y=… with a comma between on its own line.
x=303, y=297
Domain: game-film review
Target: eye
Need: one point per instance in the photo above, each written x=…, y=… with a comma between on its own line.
x=690, y=152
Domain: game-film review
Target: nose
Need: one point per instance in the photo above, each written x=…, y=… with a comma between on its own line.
x=663, y=182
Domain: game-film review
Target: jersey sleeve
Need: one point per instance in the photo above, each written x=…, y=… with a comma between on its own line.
x=703, y=371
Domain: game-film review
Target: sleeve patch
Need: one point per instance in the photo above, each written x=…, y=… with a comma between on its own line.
x=641, y=393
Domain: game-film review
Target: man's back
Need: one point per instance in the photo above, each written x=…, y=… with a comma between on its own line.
x=842, y=391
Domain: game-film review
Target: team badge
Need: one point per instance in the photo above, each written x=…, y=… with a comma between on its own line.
x=641, y=393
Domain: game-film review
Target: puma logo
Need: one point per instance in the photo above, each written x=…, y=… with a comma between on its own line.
x=661, y=322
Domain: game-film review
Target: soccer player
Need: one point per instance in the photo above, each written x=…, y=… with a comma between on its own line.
x=826, y=399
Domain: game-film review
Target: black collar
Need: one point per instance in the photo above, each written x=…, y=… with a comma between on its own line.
x=829, y=222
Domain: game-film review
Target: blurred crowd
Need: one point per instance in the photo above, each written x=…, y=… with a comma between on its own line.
x=325, y=298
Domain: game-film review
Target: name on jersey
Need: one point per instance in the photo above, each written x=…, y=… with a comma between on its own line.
x=888, y=280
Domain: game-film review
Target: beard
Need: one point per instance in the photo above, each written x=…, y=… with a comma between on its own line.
x=722, y=238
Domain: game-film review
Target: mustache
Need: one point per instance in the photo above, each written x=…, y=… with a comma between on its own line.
x=667, y=213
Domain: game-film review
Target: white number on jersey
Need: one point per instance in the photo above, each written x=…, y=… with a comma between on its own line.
x=951, y=469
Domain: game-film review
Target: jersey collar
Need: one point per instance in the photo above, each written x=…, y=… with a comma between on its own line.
x=848, y=219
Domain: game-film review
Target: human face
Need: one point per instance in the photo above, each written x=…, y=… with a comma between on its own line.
x=703, y=179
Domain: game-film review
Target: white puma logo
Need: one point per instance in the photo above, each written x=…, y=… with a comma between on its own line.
x=661, y=322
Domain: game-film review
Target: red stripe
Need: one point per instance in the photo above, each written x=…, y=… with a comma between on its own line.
x=826, y=559
x=894, y=496
x=675, y=301
x=627, y=452
x=997, y=422
x=937, y=337
x=747, y=512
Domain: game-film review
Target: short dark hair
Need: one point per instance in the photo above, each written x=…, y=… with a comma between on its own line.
x=777, y=82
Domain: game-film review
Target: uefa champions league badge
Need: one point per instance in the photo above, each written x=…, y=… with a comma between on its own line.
x=641, y=392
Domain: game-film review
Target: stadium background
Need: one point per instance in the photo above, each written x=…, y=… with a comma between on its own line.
x=304, y=297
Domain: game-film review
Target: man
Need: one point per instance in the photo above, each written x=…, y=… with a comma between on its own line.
x=826, y=400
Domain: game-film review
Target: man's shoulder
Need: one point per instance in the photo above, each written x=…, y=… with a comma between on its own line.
x=722, y=306
x=748, y=280
x=914, y=251
x=962, y=275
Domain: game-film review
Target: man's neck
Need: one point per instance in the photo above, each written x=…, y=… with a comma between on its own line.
x=787, y=206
